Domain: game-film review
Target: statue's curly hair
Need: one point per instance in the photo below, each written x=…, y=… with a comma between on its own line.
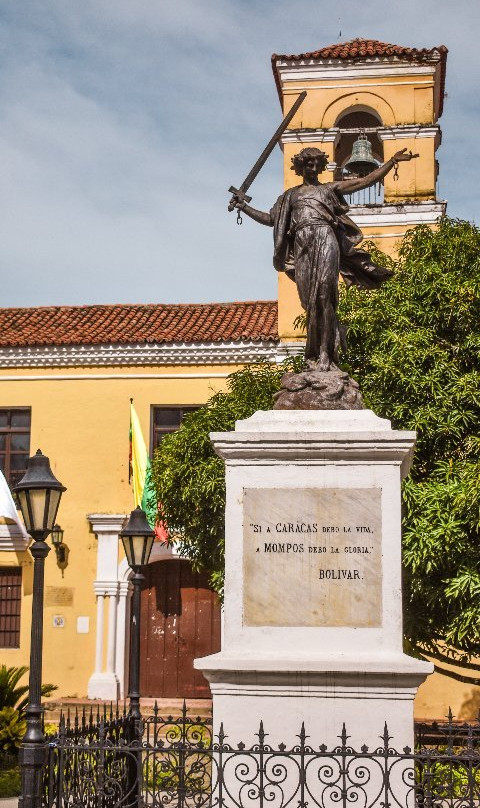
x=298, y=159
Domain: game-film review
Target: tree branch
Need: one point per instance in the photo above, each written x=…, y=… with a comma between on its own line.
x=449, y=661
x=457, y=676
x=439, y=657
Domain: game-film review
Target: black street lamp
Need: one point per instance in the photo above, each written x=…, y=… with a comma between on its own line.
x=137, y=537
x=39, y=494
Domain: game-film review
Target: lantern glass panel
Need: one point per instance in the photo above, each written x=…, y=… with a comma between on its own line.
x=57, y=535
x=53, y=508
x=38, y=497
x=148, y=548
x=138, y=543
x=128, y=549
x=23, y=502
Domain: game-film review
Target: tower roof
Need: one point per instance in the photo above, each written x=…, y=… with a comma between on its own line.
x=360, y=49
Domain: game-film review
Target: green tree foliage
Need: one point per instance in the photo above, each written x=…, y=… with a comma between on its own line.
x=413, y=346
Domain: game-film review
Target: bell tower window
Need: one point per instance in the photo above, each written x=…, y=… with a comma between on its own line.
x=352, y=125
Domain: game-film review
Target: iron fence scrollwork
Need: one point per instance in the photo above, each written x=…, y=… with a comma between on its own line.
x=108, y=760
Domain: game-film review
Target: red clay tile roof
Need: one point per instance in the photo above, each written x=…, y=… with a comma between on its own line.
x=139, y=323
x=364, y=48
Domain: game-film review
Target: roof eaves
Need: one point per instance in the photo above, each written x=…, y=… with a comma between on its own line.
x=399, y=52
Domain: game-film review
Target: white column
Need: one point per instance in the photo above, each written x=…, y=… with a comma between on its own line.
x=105, y=683
x=99, y=637
x=124, y=593
x=112, y=628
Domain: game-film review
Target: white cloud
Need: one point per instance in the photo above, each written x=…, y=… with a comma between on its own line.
x=123, y=124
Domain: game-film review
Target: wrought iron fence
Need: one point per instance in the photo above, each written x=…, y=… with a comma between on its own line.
x=105, y=761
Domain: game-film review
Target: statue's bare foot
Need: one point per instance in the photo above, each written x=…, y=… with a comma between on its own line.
x=323, y=361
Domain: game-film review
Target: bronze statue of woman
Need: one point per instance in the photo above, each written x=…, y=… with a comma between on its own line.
x=314, y=241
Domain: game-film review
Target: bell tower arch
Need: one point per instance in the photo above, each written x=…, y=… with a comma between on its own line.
x=398, y=91
x=371, y=102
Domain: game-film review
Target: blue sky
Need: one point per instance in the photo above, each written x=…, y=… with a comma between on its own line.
x=123, y=122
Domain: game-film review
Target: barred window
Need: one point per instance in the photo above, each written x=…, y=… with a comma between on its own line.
x=14, y=442
x=166, y=420
x=10, y=604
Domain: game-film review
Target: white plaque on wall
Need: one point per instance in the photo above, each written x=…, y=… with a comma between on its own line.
x=312, y=557
x=83, y=625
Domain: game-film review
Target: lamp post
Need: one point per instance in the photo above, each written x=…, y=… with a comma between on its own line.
x=137, y=537
x=39, y=494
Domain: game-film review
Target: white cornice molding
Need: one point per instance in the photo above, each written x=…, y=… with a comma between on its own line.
x=376, y=67
x=79, y=377
x=333, y=134
x=286, y=349
x=397, y=215
x=106, y=588
x=413, y=130
x=311, y=136
x=206, y=353
x=106, y=522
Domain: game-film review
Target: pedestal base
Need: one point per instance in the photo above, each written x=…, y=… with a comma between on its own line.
x=105, y=686
x=323, y=694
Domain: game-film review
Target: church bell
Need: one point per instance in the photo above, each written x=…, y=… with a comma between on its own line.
x=361, y=162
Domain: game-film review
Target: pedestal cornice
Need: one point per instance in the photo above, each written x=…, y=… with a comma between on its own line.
x=315, y=436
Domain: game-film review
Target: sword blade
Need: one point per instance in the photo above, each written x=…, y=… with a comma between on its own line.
x=240, y=193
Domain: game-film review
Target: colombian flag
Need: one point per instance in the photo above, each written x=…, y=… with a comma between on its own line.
x=141, y=476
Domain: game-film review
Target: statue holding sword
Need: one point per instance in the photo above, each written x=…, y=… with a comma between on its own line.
x=314, y=241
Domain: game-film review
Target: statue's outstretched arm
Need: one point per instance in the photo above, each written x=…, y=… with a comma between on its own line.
x=259, y=216
x=357, y=184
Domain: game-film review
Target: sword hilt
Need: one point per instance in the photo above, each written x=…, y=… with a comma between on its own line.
x=238, y=196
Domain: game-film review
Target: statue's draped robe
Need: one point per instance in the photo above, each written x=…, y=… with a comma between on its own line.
x=356, y=266
x=305, y=249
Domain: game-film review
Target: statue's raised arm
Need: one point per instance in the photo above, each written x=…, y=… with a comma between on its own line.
x=359, y=183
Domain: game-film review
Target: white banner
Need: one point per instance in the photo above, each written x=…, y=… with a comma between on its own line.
x=7, y=506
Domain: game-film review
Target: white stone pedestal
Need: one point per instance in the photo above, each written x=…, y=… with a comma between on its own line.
x=313, y=601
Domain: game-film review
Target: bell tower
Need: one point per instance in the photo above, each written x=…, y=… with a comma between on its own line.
x=391, y=95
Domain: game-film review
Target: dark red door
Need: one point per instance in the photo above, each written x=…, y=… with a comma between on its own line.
x=180, y=621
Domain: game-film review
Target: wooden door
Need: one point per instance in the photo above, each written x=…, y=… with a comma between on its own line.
x=180, y=620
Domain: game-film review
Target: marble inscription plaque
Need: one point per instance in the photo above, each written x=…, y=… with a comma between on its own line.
x=58, y=596
x=312, y=557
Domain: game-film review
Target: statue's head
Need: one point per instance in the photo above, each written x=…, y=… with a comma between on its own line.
x=308, y=155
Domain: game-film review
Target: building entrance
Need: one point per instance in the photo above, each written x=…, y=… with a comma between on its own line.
x=180, y=620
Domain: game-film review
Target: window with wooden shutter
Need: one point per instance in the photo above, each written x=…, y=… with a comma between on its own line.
x=166, y=420
x=14, y=442
x=10, y=606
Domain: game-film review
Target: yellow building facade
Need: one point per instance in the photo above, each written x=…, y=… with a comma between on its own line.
x=70, y=372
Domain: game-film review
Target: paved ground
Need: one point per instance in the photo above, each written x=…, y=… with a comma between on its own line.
x=9, y=802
